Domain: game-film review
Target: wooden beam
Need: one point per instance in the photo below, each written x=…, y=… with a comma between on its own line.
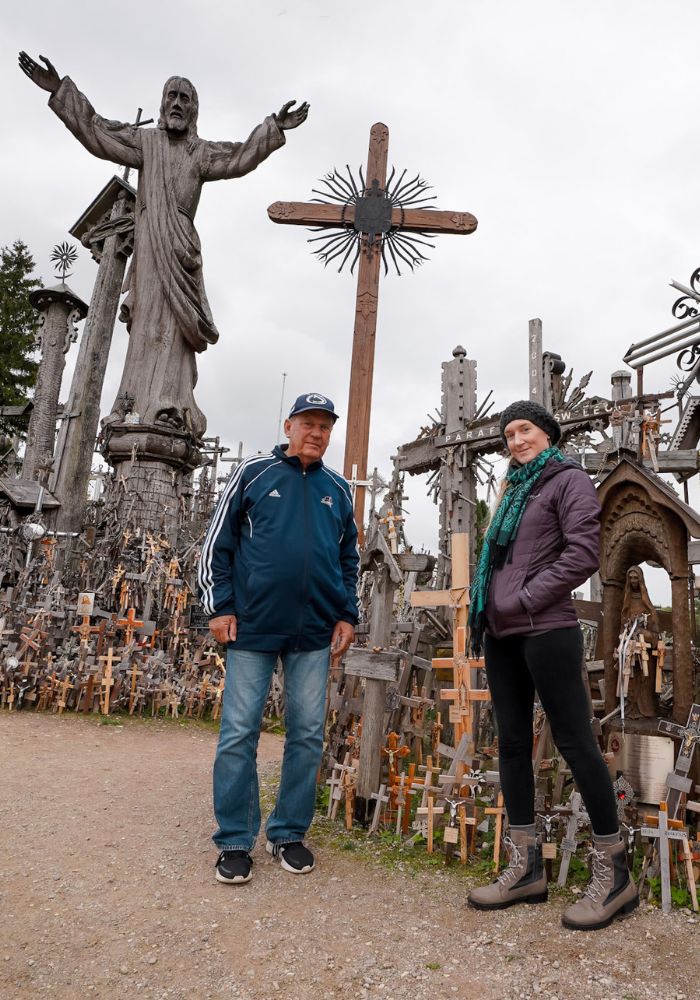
x=427, y=220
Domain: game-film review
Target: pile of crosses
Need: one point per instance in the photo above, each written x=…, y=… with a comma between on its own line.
x=135, y=643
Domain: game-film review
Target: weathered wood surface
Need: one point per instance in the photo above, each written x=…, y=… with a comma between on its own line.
x=682, y=462
x=426, y=220
x=382, y=666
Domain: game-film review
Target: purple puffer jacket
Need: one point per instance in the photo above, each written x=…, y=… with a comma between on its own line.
x=556, y=550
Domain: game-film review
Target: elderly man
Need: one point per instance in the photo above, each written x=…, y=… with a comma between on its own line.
x=278, y=576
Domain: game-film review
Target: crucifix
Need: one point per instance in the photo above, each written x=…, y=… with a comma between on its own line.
x=677, y=782
x=374, y=221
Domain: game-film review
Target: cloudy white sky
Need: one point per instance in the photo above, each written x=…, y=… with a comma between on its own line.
x=570, y=130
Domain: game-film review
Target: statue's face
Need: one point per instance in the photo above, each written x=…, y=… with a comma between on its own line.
x=178, y=105
x=633, y=579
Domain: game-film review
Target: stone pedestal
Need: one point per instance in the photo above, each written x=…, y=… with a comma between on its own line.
x=152, y=464
x=60, y=310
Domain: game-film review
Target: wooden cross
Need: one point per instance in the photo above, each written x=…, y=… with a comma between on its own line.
x=372, y=202
x=381, y=799
x=663, y=829
x=216, y=708
x=66, y=686
x=129, y=624
x=457, y=597
x=85, y=630
x=391, y=751
x=660, y=654
x=134, y=673
x=107, y=680
x=499, y=811
x=576, y=816
x=430, y=811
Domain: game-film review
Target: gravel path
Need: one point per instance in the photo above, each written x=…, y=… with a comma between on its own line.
x=107, y=890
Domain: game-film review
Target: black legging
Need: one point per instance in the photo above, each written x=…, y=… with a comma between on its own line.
x=551, y=664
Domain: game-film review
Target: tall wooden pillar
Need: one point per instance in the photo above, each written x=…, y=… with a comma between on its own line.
x=60, y=310
x=107, y=228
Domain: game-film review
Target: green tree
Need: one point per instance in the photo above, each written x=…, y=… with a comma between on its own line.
x=18, y=324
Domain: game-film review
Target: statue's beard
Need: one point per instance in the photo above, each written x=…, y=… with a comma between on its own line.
x=176, y=123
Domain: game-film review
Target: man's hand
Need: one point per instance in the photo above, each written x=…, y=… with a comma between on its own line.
x=47, y=79
x=285, y=117
x=343, y=634
x=224, y=628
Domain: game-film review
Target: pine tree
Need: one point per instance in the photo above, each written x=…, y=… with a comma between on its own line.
x=18, y=324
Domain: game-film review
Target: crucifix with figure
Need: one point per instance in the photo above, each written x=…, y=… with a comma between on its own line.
x=371, y=222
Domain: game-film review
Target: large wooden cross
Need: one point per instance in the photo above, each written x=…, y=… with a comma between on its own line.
x=360, y=216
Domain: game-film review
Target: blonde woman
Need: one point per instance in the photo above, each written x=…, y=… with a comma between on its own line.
x=542, y=542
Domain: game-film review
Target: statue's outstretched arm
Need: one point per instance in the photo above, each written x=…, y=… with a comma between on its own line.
x=115, y=141
x=222, y=160
x=47, y=79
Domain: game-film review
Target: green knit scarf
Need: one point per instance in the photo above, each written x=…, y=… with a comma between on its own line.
x=500, y=535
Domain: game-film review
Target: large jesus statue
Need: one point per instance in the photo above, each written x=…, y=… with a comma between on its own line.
x=166, y=308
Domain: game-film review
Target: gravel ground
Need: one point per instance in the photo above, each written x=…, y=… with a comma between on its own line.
x=107, y=890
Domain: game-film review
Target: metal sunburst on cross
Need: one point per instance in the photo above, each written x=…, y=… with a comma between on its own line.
x=374, y=222
x=64, y=255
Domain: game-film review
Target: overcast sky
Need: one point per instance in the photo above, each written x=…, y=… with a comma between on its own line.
x=570, y=130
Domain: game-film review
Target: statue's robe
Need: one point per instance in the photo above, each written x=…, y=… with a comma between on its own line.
x=166, y=308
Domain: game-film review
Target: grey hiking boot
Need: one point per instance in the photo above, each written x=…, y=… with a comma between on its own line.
x=611, y=892
x=523, y=881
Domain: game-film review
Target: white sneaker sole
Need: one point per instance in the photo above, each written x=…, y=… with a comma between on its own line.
x=288, y=868
x=237, y=879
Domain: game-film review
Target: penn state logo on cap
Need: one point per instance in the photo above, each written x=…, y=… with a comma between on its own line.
x=313, y=401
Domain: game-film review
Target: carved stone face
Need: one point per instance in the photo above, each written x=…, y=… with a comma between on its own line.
x=179, y=105
x=633, y=580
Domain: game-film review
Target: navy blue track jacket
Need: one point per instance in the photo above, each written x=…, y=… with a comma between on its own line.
x=281, y=554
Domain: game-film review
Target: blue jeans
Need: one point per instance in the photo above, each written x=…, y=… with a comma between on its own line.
x=236, y=794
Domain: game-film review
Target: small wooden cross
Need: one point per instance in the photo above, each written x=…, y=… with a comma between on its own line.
x=663, y=829
x=66, y=686
x=660, y=654
x=391, y=751
x=381, y=799
x=85, y=630
x=577, y=815
x=430, y=811
x=499, y=811
x=133, y=674
x=107, y=680
x=129, y=624
x=216, y=708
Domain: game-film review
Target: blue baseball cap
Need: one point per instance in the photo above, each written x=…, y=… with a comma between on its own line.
x=312, y=401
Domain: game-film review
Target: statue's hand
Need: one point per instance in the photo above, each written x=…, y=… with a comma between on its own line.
x=47, y=79
x=286, y=118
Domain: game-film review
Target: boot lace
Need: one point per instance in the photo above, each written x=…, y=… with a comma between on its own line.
x=601, y=874
x=509, y=874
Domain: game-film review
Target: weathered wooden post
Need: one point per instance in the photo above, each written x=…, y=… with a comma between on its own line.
x=60, y=310
x=107, y=228
x=377, y=664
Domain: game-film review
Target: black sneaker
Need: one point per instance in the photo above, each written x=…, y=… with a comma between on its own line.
x=234, y=866
x=293, y=857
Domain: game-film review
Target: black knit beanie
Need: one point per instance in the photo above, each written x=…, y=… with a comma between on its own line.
x=526, y=409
